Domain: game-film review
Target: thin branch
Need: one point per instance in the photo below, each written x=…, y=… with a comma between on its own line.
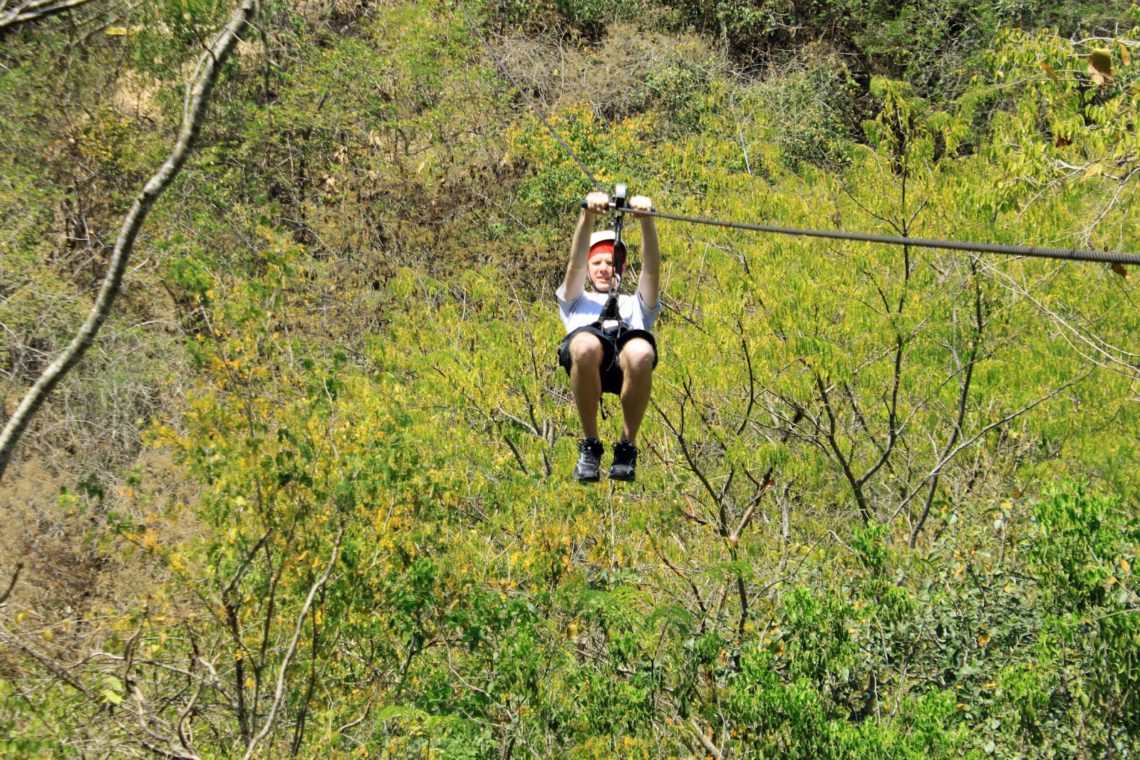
x=49, y=664
x=751, y=378
x=679, y=433
x=892, y=415
x=1113, y=355
x=673, y=568
x=942, y=462
x=706, y=742
x=34, y=10
x=291, y=650
x=12, y=583
x=844, y=462
x=963, y=395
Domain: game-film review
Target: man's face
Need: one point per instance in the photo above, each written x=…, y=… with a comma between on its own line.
x=601, y=271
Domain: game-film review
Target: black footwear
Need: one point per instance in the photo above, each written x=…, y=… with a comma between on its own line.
x=625, y=462
x=588, y=469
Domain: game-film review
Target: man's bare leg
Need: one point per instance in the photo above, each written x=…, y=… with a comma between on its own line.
x=637, y=367
x=586, y=380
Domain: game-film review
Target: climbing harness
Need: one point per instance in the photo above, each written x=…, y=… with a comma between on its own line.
x=610, y=321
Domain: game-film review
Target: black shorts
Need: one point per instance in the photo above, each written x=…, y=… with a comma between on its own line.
x=611, y=350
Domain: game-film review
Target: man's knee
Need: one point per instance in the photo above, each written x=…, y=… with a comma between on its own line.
x=586, y=350
x=637, y=357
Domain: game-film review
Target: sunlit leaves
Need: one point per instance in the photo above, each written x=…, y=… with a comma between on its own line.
x=1100, y=67
x=372, y=358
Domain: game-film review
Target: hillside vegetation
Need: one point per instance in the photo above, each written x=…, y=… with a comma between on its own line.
x=309, y=493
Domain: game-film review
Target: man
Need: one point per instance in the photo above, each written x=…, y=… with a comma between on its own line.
x=619, y=361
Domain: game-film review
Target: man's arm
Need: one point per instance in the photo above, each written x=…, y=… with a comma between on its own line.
x=575, y=283
x=648, y=283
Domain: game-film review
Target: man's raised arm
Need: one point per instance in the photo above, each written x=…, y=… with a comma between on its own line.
x=649, y=281
x=575, y=283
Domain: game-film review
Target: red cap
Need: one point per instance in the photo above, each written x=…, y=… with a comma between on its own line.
x=601, y=242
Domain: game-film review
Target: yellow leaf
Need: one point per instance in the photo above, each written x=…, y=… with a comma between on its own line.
x=1101, y=60
x=1125, y=566
x=150, y=540
x=1049, y=70
x=1125, y=56
x=1095, y=170
x=983, y=639
x=1100, y=67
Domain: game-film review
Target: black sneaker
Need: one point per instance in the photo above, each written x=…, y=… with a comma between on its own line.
x=625, y=462
x=588, y=469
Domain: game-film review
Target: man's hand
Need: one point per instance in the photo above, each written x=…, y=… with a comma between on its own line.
x=597, y=203
x=640, y=203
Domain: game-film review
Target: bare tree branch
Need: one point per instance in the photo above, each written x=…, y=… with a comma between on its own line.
x=967, y=375
x=34, y=10
x=949, y=455
x=12, y=583
x=197, y=100
x=1100, y=351
x=706, y=742
x=46, y=661
x=291, y=650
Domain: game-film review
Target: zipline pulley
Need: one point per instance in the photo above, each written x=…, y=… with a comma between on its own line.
x=610, y=316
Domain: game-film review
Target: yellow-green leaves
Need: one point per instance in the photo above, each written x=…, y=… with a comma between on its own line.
x=1100, y=67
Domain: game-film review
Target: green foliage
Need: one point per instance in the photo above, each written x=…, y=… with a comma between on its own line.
x=1069, y=125
x=1084, y=542
x=557, y=184
x=162, y=35
x=843, y=541
x=588, y=18
x=1083, y=555
x=811, y=107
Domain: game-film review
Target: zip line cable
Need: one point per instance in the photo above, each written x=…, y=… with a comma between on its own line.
x=1062, y=254
x=1065, y=254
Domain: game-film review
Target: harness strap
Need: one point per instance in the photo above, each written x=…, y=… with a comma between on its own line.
x=610, y=321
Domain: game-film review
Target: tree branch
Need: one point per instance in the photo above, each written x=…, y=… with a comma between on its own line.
x=198, y=97
x=34, y=10
x=12, y=583
x=946, y=458
x=963, y=395
x=706, y=742
x=291, y=650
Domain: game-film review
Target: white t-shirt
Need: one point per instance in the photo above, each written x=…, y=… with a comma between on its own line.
x=587, y=308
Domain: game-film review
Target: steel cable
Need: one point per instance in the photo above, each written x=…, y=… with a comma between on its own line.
x=1062, y=254
x=1066, y=254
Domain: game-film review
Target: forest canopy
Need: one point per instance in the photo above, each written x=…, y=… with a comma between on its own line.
x=308, y=493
